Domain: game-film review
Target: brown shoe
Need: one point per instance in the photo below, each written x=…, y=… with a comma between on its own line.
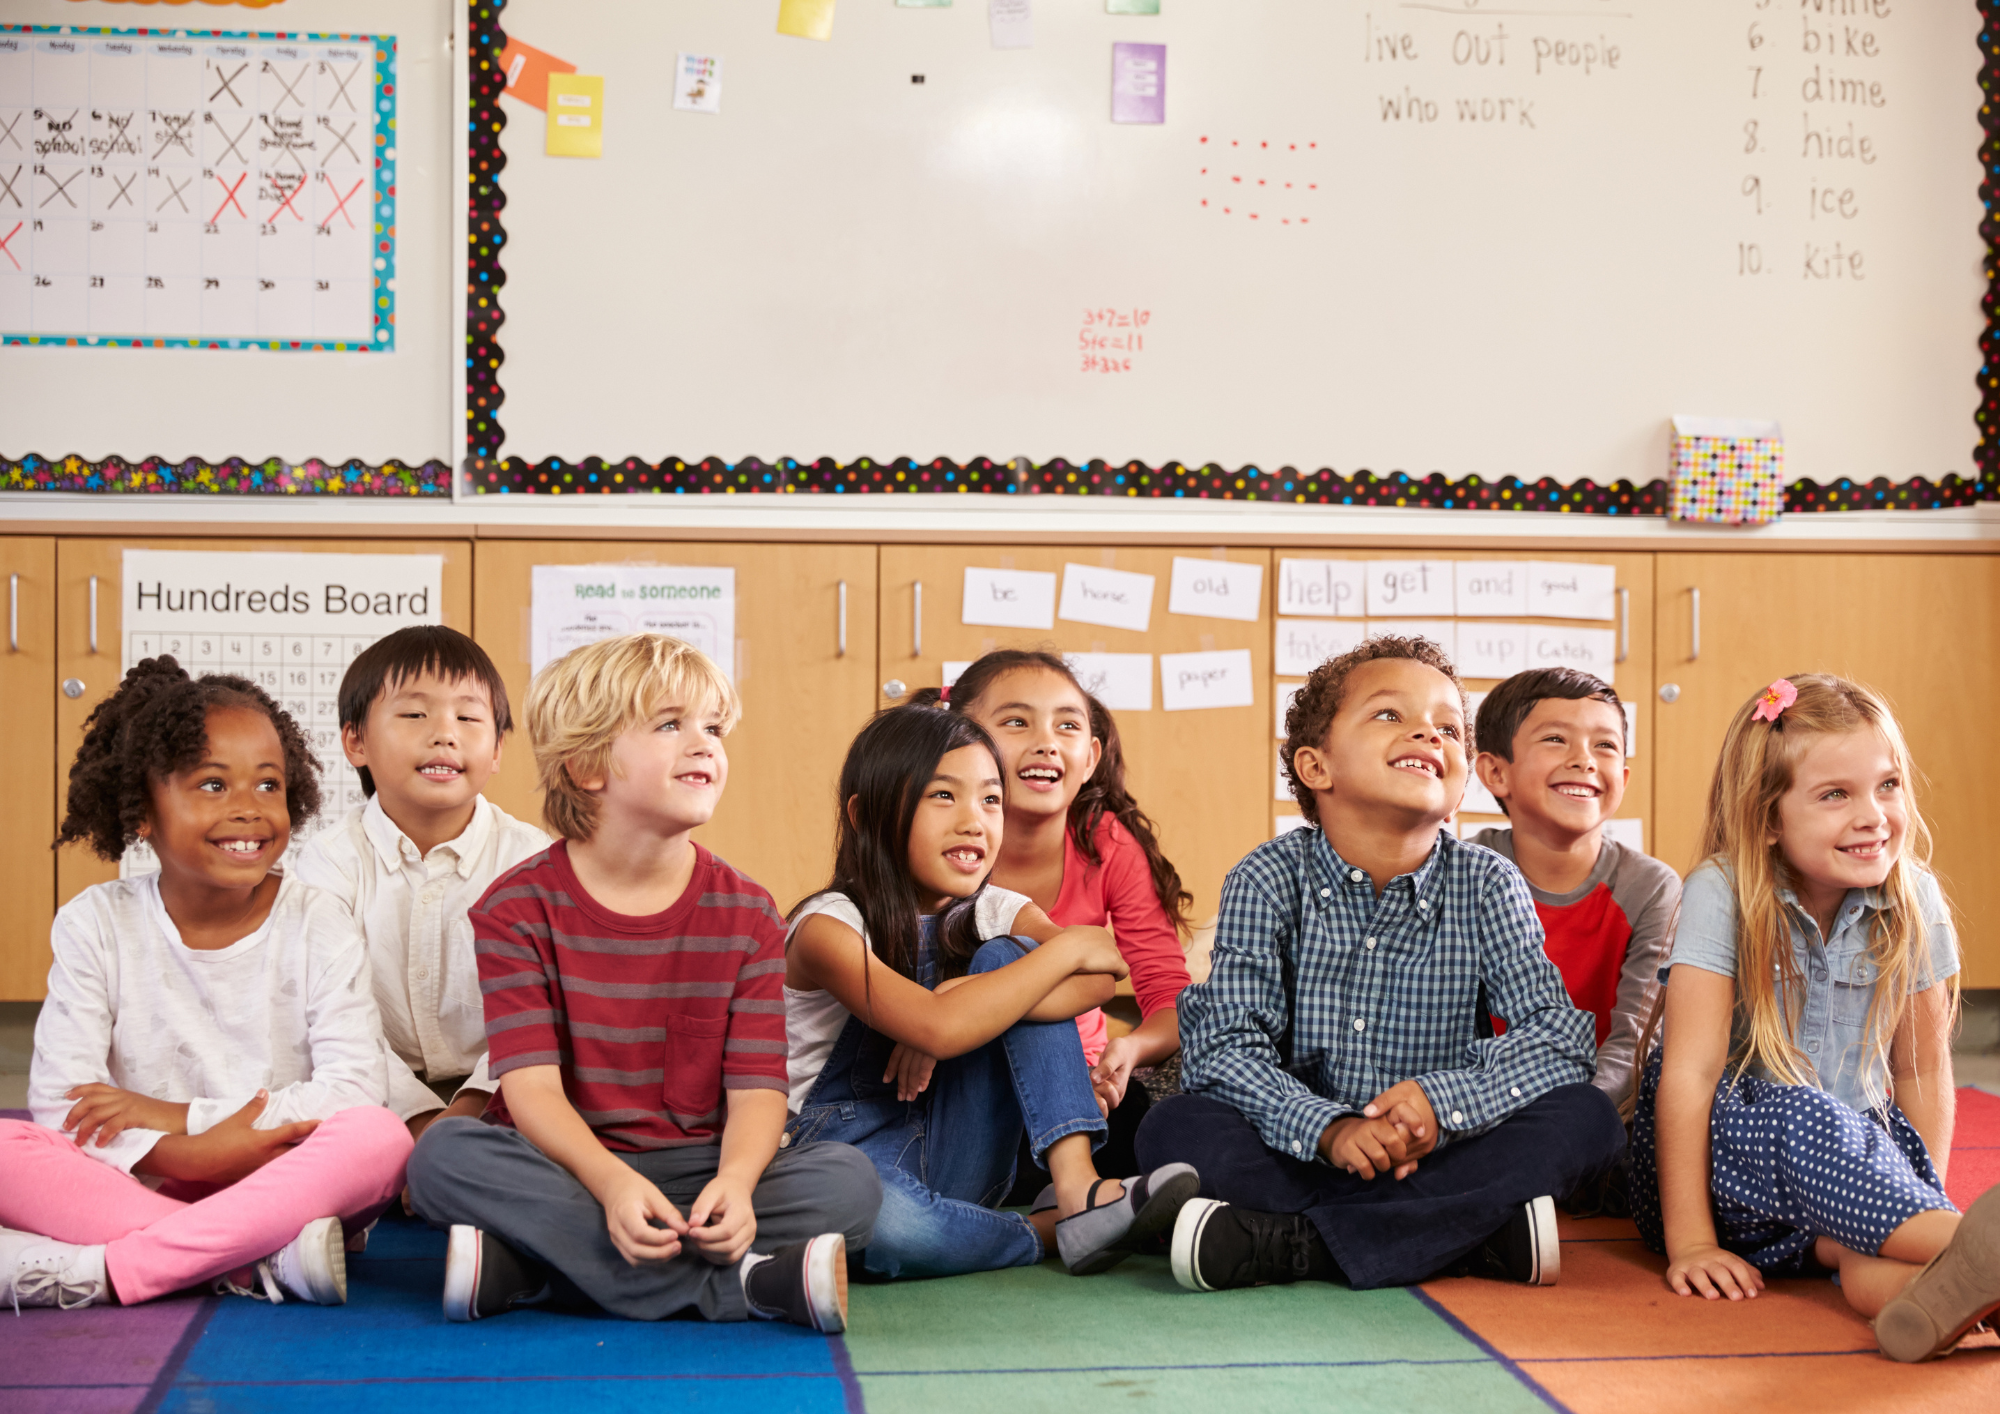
x=1955, y=1291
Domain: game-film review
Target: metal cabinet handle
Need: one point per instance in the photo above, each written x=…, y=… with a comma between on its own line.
x=93, y=613
x=13, y=613
x=1694, y=624
x=840, y=650
x=917, y=621
x=1624, y=624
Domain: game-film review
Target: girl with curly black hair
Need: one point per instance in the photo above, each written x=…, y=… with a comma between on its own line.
x=209, y=1073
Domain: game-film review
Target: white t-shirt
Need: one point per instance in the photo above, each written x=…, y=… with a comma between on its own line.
x=288, y=1009
x=813, y=1019
x=412, y=908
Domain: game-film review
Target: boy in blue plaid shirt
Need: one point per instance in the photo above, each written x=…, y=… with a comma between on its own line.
x=1351, y=1112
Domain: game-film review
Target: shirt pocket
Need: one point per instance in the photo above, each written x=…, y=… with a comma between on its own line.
x=692, y=1085
x=1853, y=977
x=461, y=966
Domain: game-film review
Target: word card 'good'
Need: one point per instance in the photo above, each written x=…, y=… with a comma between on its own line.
x=1217, y=589
x=1092, y=594
x=1190, y=681
x=1572, y=591
x=1009, y=598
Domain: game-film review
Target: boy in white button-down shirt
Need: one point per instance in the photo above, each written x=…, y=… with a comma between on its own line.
x=422, y=714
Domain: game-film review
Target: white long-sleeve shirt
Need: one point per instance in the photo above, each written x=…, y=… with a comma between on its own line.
x=412, y=909
x=287, y=1008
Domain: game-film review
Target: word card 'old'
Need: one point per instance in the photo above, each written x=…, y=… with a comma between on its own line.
x=1217, y=589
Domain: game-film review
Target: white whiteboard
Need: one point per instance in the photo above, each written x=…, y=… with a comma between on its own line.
x=843, y=263
x=258, y=403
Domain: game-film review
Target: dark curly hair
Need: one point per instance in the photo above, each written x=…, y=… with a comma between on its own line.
x=154, y=724
x=1311, y=712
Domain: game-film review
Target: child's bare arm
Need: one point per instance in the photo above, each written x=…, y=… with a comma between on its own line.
x=1699, y=1005
x=1920, y=1062
x=722, y=1222
x=1082, y=991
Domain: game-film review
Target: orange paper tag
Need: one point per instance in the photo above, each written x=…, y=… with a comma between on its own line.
x=527, y=71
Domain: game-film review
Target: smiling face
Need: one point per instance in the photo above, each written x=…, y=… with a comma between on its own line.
x=223, y=822
x=666, y=772
x=429, y=743
x=956, y=832
x=1396, y=746
x=1041, y=724
x=1568, y=773
x=1842, y=823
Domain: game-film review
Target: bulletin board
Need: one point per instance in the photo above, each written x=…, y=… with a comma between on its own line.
x=226, y=247
x=1417, y=253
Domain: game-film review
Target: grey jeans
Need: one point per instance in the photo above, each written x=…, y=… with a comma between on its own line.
x=493, y=1178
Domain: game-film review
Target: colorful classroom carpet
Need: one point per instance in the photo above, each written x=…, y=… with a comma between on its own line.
x=1610, y=1339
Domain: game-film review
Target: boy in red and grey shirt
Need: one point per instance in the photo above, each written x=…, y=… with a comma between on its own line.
x=635, y=1022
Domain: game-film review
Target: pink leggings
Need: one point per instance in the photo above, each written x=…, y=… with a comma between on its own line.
x=350, y=1168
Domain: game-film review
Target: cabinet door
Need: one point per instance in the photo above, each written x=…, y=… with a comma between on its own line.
x=90, y=639
x=27, y=764
x=1762, y=616
x=803, y=697
x=1630, y=672
x=1204, y=776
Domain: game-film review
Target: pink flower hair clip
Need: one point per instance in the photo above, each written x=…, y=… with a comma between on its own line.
x=1773, y=701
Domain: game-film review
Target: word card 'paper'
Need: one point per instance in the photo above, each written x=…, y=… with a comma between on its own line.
x=576, y=115
x=579, y=604
x=1492, y=588
x=1630, y=833
x=1594, y=650
x=1478, y=800
x=1011, y=23
x=1491, y=650
x=1572, y=591
x=1217, y=589
x=1138, y=83
x=1121, y=681
x=1009, y=598
x=1409, y=587
x=808, y=19
x=698, y=83
x=1442, y=632
x=1321, y=589
x=1189, y=681
x=1285, y=695
x=1092, y=594
x=291, y=623
x=1300, y=645
x=1285, y=824
x=1631, y=727
x=527, y=71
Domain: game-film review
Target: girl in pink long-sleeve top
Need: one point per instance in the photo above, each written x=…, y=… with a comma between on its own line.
x=1077, y=843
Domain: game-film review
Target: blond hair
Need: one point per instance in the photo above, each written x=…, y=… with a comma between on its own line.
x=1758, y=765
x=579, y=705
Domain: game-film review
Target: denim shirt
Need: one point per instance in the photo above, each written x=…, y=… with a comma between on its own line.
x=1831, y=1028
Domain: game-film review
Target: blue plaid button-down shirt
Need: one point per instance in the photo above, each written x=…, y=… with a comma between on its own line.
x=1323, y=996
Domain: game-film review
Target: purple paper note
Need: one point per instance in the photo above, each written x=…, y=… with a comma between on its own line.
x=1138, y=83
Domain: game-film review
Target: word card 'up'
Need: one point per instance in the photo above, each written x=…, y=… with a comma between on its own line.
x=1092, y=594
x=1491, y=650
x=1009, y=598
x=1216, y=589
x=1322, y=589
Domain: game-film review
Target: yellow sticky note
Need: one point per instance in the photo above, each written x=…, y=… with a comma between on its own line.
x=808, y=19
x=576, y=115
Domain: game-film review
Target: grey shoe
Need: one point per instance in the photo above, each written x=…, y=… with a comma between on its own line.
x=1045, y=1201
x=1099, y=1238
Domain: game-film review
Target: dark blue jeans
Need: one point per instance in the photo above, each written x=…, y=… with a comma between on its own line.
x=946, y=1159
x=1382, y=1231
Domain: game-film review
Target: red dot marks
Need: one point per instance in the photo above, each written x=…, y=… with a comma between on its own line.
x=1260, y=181
x=1295, y=147
x=1235, y=179
x=1253, y=216
x=1234, y=143
x=1204, y=139
x=1225, y=211
x=1288, y=186
x=1204, y=171
x=1204, y=201
x=1263, y=144
x=1312, y=186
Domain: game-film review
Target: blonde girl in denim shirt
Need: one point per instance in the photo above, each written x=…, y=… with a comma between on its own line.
x=1800, y=1123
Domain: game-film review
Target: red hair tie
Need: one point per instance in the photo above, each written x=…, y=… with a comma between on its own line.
x=944, y=695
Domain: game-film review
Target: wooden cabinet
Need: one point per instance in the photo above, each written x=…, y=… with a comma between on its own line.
x=90, y=641
x=29, y=779
x=807, y=685
x=1204, y=776
x=1924, y=630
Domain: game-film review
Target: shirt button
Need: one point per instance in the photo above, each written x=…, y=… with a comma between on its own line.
x=1515, y=1091
x=1359, y=1024
x=1355, y=875
x=1326, y=893
x=1371, y=945
x=1457, y=1118
x=1424, y=905
x=1296, y=1146
x=423, y=973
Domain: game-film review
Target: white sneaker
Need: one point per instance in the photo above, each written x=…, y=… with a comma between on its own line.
x=312, y=1267
x=39, y=1271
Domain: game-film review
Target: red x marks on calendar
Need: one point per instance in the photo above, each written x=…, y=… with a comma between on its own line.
x=229, y=198
x=290, y=197
x=339, y=202
x=8, y=237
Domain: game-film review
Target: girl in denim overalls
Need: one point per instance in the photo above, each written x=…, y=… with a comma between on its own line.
x=1813, y=894
x=930, y=1021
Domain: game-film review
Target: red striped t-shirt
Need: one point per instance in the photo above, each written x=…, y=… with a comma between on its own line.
x=651, y=1019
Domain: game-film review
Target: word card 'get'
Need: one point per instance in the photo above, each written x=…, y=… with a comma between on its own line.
x=1217, y=589
x=576, y=115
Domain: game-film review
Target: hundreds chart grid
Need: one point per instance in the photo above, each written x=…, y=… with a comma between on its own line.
x=303, y=672
x=197, y=189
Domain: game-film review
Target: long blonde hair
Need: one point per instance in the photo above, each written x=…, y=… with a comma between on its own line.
x=1758, y=764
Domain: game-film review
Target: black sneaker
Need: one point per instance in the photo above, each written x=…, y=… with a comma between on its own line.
x=1218, y=1247
x=1525, y=1248
x=484, y=1277
x=805, y=1284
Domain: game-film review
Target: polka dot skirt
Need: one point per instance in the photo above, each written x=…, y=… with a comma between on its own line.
x=1789, y=1163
